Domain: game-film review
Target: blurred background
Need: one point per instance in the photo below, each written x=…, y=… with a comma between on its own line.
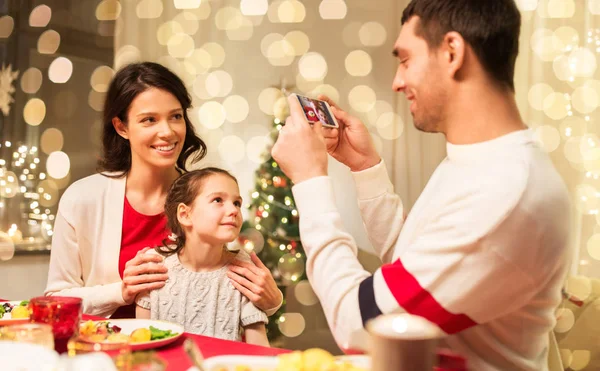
x=235, y=57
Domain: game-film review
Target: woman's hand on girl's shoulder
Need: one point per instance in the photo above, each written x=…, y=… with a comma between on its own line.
x=145, y=272
x=254, y=280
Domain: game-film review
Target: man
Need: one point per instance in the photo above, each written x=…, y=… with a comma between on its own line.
x=483, y=252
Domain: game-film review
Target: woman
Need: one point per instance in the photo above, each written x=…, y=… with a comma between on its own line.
x=105, y=222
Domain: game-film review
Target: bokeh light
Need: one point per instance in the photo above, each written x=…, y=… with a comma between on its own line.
x=232, y=149
x=333, y=9
x=561, y=8
x=256, y=148
x=358, y=63
x=305, y=294
x=289, y=11
x=362, y=98
x=292, y=324
x=31, y=80
x=325, y=89
x=390, y=125
x=40, y=16
x=586, y=199
x=127, y=54
x=211, y=114
x=188, y=22
x=548, y=137
x=52, y=140
x=58, y=165
x=167, y=30
x=60, y=70
x=187, y=4
x=149, y=9
x=312, y=66
x=254, y=7
x=96, y=100
x=48, y=190
x=101, y=78
x=579, y=286
x=555, y=106
x=267, y=99
x=372, y=34
x=34, y=111
x=298, y=42
x=219, y=83
x=7, y=24
x=48, y=42
x=236, y=108
x=565, y=319
x=180, y=45
x=108, y=10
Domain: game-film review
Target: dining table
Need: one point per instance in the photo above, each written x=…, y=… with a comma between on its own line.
x=176, y=358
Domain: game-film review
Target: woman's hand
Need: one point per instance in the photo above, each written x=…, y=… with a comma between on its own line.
x=144, y=272
x=255, y=282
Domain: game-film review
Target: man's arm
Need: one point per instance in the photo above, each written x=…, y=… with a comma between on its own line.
x=450, y=274
x=381, y=209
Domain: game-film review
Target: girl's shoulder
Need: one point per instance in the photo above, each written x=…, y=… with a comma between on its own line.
x=240, y=254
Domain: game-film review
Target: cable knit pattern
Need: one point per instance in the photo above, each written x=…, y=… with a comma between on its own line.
x=205, y=303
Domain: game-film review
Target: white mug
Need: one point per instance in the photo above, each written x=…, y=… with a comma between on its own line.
x=403, y=342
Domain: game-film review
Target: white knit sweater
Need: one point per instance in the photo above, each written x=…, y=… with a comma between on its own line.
x=482, y=254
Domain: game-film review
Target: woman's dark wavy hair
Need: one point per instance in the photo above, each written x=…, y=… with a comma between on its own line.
x=127, y=84
x=184, y=190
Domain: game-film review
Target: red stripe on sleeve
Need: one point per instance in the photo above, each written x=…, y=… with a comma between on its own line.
x=416, y=300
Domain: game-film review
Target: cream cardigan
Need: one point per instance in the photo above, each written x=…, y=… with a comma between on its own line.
x=86, y=245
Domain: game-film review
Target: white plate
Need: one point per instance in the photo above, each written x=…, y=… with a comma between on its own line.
x=229, y=363
x=26, y=357
x=129, y=325
x=7, y=319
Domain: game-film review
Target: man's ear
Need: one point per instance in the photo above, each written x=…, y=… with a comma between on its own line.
x=120, y=127
x=454, y=49
x=184, y=215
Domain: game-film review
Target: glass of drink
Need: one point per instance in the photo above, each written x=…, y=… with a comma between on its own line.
x=118, y=350
x=34, y=333
x=62, y=313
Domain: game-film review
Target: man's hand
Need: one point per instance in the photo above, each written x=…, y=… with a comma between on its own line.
x=351, y=144
x=300, y=148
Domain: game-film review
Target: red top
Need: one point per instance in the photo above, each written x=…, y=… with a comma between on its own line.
x=139, y=231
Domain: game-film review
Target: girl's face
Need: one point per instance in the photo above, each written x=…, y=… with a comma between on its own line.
x=215, y=216
x=155, y=129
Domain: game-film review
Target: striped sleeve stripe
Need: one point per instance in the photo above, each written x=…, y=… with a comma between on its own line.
x=366, y=300
x=418, y=301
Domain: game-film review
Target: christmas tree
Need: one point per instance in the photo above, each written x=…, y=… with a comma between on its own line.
x=272, y=229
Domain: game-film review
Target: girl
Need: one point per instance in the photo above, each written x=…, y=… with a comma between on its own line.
x=203, y=212
x=105, y=221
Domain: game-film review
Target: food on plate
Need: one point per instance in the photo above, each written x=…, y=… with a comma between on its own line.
x=141, y=335
x=313, y=359
x=20, y=311
x=104, y=331
x=309, y=360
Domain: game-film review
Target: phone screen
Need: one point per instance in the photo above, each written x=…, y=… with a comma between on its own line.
x=317, y=110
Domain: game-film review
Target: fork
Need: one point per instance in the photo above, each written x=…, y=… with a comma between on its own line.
x=194, y=353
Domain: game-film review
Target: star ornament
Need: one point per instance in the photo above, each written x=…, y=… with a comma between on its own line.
x=7, y=77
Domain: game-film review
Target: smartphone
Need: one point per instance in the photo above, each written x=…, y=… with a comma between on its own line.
x=317, y=110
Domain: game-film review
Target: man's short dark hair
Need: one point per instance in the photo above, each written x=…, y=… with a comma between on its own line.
x=490, y=27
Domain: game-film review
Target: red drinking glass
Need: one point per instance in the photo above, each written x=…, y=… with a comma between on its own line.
x=63, y=313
